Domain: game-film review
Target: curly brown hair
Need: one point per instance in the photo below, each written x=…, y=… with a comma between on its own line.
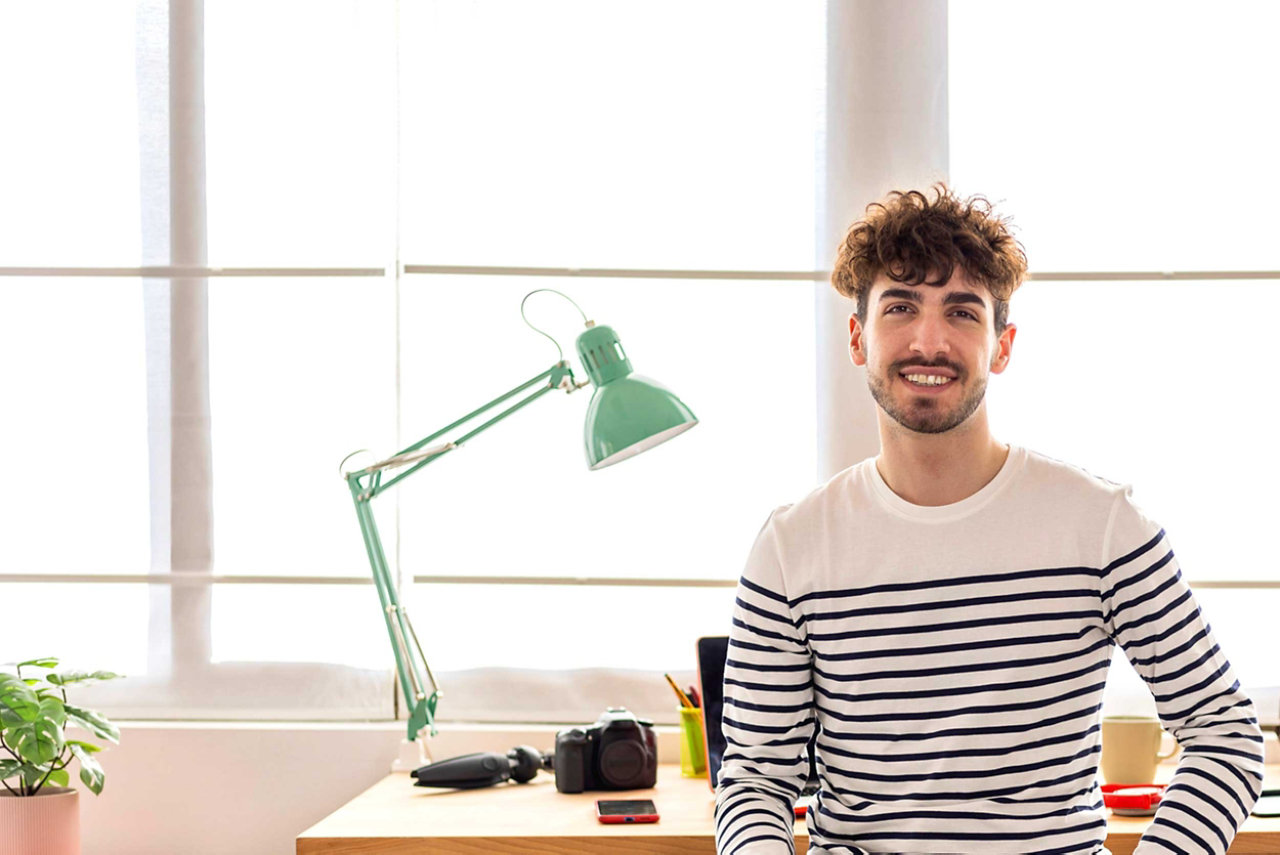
x=909, y=238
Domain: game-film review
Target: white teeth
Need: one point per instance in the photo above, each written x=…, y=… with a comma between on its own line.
x=927, y=379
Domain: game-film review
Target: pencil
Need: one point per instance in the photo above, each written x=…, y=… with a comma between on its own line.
x=684, y=699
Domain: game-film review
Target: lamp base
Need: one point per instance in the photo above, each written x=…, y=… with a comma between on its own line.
x=413, y=754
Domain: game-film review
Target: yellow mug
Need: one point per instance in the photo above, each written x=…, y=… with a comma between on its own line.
x=1131, y=749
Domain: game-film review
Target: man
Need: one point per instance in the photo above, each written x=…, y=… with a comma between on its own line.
x=943, y=615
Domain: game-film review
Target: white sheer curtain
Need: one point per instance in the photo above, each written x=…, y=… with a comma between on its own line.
x=217, y=344
x=106, y=223
x=258, y=175
x=1133, y=152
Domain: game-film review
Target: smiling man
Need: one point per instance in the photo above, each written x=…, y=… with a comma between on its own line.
x=942, y=616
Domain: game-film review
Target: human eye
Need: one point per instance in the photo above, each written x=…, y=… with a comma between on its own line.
x=968, y=313
x=890, y=310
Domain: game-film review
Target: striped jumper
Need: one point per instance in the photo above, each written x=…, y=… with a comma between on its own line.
x=952, y=662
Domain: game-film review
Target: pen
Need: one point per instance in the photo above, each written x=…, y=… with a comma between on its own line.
x=684, y=699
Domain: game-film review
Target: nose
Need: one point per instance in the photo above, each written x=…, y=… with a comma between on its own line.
x=929, y=336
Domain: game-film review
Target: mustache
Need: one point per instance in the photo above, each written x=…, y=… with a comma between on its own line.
x=916, y=363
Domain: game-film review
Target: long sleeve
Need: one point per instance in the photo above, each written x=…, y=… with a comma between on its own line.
x=768, y=711
x=1150, y=611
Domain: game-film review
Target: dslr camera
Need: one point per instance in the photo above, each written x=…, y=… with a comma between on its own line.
x=618, y=752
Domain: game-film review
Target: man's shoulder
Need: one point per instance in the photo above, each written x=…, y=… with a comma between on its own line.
x=844, y=492
x=1044, y=469
x=1071, y=493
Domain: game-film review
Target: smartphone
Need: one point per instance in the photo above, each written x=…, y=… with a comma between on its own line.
x=626, y=810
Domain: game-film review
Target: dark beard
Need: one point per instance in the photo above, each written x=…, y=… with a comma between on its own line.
x=925, y=414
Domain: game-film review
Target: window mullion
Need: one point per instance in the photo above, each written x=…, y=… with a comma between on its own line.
x=192, y=465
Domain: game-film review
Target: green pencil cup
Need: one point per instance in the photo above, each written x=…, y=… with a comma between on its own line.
x=693, y=757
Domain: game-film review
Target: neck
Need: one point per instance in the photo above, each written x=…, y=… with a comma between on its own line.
x=940, y=468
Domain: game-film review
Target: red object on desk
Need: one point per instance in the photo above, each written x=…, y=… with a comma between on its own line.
x=611, y=811
x=1132, y=799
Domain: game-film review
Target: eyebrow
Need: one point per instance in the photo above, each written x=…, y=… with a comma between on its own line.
x=951, y=299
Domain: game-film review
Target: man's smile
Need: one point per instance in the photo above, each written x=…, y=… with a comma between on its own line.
x=927, y=380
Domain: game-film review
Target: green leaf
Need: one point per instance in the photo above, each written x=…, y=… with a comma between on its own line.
x=69, y=677
x=47, y=662
x=38, y=741
x=7, y=679
x=18, y=697
x=9, y=768
x=8, y=718
x=47, y=691
x=53, y=709
x=87, y=746
x=93, y=722
x=90, y=770
x=59, y=778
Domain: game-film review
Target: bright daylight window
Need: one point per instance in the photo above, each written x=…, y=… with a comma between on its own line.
x=342, y=142
x=1126, y=139
x=356, y=154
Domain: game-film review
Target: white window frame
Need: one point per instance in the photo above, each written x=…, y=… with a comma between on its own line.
x=182, y=598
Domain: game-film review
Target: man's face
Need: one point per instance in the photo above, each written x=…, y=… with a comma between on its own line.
x=929, y=350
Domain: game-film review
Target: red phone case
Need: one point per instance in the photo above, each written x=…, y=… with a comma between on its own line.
x=613, y=819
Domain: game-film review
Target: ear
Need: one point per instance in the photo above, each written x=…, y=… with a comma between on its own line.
x=1004, y=349
x=857, y=342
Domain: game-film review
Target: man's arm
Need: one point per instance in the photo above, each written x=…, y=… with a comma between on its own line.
x=1148, y=608
x=768, y=711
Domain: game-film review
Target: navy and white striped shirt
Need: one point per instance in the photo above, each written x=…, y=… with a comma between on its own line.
x=952, y=661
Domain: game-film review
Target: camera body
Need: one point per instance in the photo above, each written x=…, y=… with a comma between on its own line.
x=618, y=752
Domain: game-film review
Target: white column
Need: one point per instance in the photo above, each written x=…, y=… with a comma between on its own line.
x=192, y=463
x=886, y=130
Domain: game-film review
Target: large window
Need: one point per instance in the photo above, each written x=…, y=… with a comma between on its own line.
x=308, y=231
x=1133, y=147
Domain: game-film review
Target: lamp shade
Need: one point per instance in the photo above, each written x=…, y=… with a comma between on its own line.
x=628, y=413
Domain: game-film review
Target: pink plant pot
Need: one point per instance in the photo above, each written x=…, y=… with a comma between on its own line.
x=47, y=823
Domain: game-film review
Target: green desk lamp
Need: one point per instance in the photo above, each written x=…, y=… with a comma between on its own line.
x=628, y=414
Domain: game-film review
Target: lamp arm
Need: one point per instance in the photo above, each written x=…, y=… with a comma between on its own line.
x=411, y=665
x=422, y=706
x=559, y=376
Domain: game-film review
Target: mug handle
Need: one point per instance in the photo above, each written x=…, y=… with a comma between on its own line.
x=1172, y=751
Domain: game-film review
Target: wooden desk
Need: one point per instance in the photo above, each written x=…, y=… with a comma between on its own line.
x=393, y=816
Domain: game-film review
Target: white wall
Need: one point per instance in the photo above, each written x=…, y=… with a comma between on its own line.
x=219, y=788
x=200, y=788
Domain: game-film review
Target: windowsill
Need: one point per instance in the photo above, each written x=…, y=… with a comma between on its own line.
x=453, y=739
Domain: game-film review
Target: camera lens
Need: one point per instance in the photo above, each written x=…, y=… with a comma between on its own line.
x=622, y=762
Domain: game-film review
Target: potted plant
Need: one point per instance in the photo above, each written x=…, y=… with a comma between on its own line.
x=38, y=810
